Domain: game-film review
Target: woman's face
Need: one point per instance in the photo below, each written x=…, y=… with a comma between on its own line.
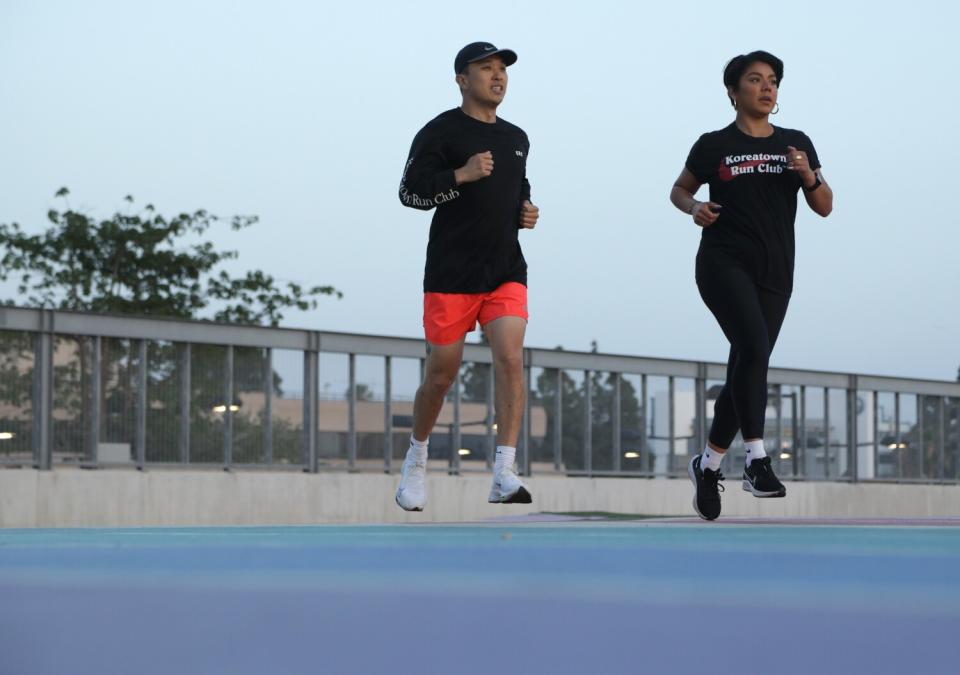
x=756, y=93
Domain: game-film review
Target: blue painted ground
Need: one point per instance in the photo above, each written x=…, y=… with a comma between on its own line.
x=571, y=597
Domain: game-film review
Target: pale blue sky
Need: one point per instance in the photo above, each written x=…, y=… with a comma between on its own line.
x=302, y=113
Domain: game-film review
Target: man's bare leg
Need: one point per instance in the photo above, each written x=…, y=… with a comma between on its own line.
x=440, y=371
x=505, y=336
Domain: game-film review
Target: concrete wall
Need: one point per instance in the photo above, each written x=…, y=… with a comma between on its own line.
x=129, y=498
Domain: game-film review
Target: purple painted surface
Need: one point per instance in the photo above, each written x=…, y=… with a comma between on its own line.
x=552, y=597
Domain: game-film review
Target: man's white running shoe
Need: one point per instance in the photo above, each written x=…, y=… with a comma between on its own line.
x=508, y=489
x=412, y=492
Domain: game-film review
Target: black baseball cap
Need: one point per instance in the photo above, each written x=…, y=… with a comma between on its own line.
x=477, y=51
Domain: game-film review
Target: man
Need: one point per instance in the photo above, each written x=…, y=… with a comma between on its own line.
x=471, y=166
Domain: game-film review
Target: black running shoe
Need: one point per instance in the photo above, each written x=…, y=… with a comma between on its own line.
x=759, y=479
x=706, y=489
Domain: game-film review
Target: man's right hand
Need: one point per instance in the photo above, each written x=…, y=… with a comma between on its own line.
x=477, y=167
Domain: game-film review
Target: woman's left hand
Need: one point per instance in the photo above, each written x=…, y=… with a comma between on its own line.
x=797, y=161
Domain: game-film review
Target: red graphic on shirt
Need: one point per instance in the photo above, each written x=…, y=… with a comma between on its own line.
x=728, y=173
x=732, y=166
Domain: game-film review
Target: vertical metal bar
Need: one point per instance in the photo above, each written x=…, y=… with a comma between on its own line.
x=490, y=418
x=617, y=405
x=802, y=445
x=184, y=402
x=456, y=443
x=140, y=442
x=37, y=394
x=43, y=395
x=528, y=375
x=942, y=436
x=268, y=406
x=778, y=397
x=956, y=446
x=308, y=387
x=876, y=433
x=896, y=433
x=95, y=397
x=311, y=394
x=558, y=423
x=228, y=411
x=794, y=432
x=671, y=423
x=700, y=401
x=826, y=432
x=644, y=450
x=588, y=423
x=853, y=441
x=922, y=432
x=352, y=413
x=387, y=415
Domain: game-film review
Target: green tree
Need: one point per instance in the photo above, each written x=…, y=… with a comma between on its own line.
x=921, y=456
x=474, y=378
x=573, y=404
x=363, y=391
x=141, y=262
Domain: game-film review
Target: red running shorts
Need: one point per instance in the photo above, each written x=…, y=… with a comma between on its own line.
x=447, y=317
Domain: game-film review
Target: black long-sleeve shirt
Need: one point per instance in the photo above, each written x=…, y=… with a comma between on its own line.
x=473, y=245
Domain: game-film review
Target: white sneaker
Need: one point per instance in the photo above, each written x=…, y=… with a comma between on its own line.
x=508, y=489
x=412, y=492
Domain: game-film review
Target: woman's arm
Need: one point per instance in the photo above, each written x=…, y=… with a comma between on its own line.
x=704, y=213
x=820, y=199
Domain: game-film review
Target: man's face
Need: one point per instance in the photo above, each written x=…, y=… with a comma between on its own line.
x=484, y=81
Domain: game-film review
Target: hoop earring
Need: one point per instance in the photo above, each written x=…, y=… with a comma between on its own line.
x=775, y=111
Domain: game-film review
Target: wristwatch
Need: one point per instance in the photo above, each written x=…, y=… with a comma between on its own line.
x=815, y=185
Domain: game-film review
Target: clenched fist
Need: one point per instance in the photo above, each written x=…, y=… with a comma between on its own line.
x=798, y=161
x=479, y=166
x=529, y=214
x=705, y=214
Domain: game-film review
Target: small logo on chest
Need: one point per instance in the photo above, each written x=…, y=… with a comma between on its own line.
x=519, y=153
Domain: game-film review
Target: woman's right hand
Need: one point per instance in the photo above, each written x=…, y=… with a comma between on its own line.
x=705, y=214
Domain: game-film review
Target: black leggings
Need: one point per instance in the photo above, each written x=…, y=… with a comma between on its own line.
x=750, y=318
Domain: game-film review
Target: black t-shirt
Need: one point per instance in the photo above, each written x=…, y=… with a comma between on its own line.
x=749, y=178
x=473, y=245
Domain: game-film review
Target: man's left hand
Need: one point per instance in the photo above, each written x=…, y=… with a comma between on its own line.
x=529, y=214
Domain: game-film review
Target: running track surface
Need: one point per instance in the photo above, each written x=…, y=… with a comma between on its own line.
x=534, y=595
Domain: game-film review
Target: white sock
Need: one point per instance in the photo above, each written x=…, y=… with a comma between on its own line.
x=754, y=450
x=710, y=459
x=418, y=449
x=505, y=457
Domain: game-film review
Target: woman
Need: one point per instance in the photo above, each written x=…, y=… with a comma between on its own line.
x=745, y=263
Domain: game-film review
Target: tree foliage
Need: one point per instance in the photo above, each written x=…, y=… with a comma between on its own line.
x=142, y=262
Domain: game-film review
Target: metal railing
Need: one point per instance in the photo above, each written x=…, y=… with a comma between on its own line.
x=100, y=390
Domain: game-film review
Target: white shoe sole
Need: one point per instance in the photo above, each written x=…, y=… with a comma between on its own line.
x=396, y=498
x=413, y=508
x=521, y=496
x=748, y=487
